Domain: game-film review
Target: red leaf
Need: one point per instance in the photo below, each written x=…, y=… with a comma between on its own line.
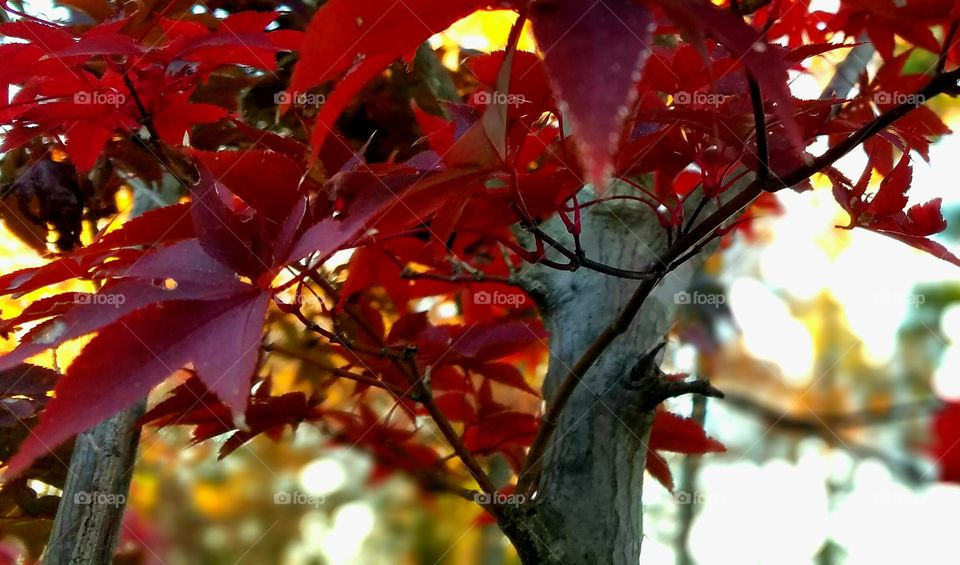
x=671, y=432
x=764, y=60
x=496, y=431
x=658, y=467
x=680, y=435
x=338, y=100
x=155, y=227
x=528, y=80
x=85, y=143
x=48, y=36
x=222, y=233
x=891, y=197
x=334, y=233
x=267, y=181
x=343, y=31
x=927, y=219
x=220, y=338
x=496, y=340
x=945, y=428
x=506, y=374
x=923, y=244
x=456, y=407
x=198, y=277
x=174, y=115
x=28, y=280
x=101, y=44
x=593, y=55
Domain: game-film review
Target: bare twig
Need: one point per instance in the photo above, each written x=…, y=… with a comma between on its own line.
x=827, y=423
x=335, y=371
x=760, y=123
x=408, y=368
x=474, y=277
x=578, y=260
x=830, y=428
x=655, y=386
x=673, y=389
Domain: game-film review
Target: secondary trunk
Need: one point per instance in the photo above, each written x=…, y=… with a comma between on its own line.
x=87, y=526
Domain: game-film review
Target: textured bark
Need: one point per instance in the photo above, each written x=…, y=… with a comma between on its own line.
x=87, y=526
x=588, y=506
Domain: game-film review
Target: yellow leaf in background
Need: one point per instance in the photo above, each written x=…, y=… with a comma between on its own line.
x=217, y=501
x=482, y=31
x=144, y=492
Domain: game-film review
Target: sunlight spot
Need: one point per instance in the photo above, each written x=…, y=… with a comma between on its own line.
x=766, y=324
x=322, y=477
x=946, y=379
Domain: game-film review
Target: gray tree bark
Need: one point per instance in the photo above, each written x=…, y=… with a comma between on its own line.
x=587, y=508
x=87, y=526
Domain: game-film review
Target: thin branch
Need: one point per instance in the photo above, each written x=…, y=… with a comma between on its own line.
x=696, y=214
x=945, y=83
x=760, y=126
x=826, y=426
x=351, y=345
x=942, y=84
x=408, y=368
x=828, y=422
x=654, y=386
x=577, y=260
x=335, y=371
x=474, y=277
x=672, y=389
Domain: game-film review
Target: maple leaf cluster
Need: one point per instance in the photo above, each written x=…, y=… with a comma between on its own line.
x=655, y=98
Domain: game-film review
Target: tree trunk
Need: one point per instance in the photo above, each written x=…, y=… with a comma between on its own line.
x=587, y=508
x=87, y=526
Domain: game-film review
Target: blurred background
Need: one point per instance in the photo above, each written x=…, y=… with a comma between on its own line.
x=839, y=352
